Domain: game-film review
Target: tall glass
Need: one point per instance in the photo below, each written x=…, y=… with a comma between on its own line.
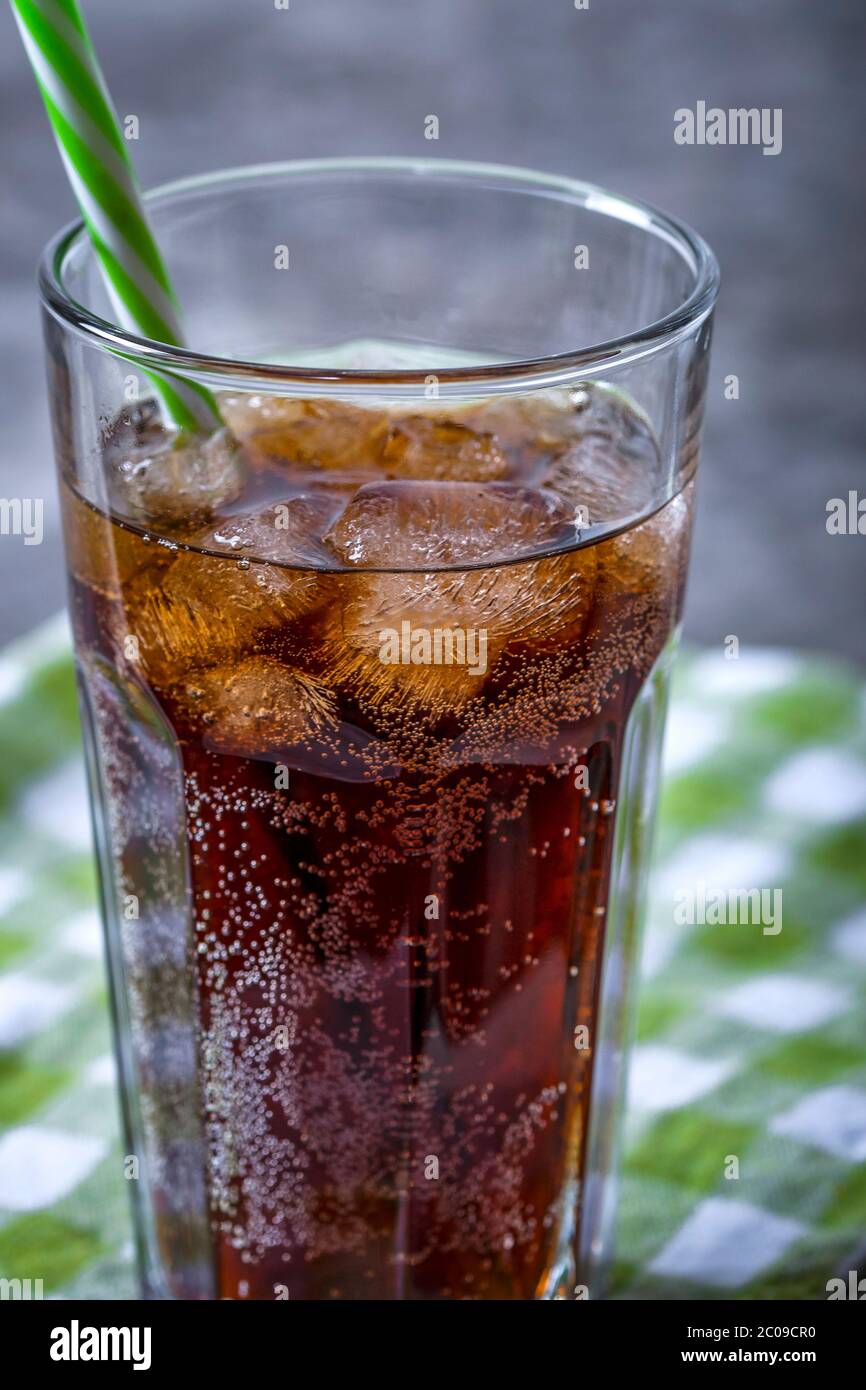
x=372, y=685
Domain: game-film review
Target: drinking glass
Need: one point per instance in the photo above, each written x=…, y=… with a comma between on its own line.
x=372, y=921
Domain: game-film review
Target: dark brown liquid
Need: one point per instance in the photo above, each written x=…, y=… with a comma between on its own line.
x=399, y=873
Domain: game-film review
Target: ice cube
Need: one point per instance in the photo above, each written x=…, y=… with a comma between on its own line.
x=258, y=707
x=611, y=470
x=287, y=532
x=168, y=483
x=597, y=485
x=315, y=434
x=425, y=525
x=205, y=610
x=473, y=612
x=597, y=406
x=649, y=560
x=135, y=429
x=539, y=422
x=340, y=484
x=397, y=645
x=425, y=643
x=432, y=447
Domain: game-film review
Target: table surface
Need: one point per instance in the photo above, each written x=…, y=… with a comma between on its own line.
x=751, y=1044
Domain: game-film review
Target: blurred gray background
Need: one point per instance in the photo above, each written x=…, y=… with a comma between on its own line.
x=588, y=93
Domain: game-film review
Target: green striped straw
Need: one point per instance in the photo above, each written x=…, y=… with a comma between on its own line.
x=95, y=155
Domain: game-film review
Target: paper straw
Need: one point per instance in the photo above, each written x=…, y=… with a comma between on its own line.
x=99, y=168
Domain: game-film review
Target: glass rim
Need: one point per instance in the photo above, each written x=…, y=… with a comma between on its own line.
x=509, y=375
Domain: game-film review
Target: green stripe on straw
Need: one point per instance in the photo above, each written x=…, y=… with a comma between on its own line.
x=74, y=70
x=70, y=9
x=97, y=162
x=108, y=194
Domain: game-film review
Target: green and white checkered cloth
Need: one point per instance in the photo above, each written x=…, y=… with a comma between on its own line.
x=751, y=1046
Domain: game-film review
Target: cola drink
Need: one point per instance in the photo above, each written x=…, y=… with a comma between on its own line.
x=357, y=686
